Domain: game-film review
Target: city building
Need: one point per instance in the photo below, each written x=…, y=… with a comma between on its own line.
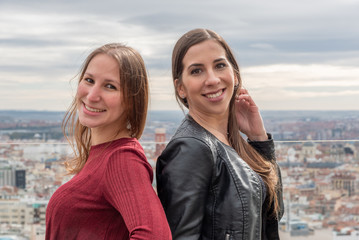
x=160, y=140
x=344, y=181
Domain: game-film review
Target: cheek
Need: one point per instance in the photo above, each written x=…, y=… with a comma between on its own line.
x=81, y=92
x=116, y=103
x=188, y=85
x=231, y=79
x=193, y=88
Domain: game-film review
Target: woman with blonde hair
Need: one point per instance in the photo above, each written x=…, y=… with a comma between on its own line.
x=111, y=194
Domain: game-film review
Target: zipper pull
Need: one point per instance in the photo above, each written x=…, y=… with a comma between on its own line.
x=227, y=236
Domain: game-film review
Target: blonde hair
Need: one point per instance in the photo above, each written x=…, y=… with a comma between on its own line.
x=134, y=87
x=263, y=167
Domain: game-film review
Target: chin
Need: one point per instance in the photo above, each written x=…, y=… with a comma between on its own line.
x=87, y=123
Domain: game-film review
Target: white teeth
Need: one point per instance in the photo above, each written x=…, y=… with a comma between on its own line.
x=214, y=95
x=93, y=109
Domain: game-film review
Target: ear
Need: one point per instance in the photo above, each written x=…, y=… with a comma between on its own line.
x=180, y=89
x=236, y=82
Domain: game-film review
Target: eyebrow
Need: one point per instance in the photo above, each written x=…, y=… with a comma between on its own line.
x=200, y=64
x=219, y=59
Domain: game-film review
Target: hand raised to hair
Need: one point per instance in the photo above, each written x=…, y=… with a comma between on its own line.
x=248, y=117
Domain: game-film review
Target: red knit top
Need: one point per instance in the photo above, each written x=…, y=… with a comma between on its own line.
x=110, y=198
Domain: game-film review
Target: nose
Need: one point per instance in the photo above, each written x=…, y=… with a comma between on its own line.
x=212, y=78
x=94, y=94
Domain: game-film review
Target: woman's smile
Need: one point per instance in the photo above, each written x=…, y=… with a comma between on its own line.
x=94, y=109
x=215, y=94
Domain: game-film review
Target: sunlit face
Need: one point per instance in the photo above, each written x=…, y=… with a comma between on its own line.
x=100, y=97
x=207, y=80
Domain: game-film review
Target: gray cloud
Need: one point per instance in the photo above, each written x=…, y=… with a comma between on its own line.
x=46, y=41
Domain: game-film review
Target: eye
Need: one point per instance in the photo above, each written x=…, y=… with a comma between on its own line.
x=196, y=71
x=110, y=86
x=221, y=65
x=89, y=80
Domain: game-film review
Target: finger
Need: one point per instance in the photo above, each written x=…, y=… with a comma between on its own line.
x=242, y=103
x=245, y=98
x=243, y=91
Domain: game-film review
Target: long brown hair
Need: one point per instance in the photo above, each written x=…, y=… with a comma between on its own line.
x=134, y=87
x=263, y=167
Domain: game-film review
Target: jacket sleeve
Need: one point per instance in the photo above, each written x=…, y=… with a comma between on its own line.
x=183, y=174
x=267, y=150
x=264, y=148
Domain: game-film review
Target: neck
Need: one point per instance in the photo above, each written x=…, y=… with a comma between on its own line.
x=98, y=136
x=217, y=125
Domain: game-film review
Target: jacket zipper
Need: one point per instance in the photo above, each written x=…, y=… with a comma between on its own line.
x=228, y=237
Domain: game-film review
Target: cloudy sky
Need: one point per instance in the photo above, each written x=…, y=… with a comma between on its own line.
x=294, y=55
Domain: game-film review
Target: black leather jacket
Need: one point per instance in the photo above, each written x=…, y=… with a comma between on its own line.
x=209, y=192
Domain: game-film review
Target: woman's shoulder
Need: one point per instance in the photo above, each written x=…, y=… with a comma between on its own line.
x=125, y=144
x=129, y=152
x=189, y=128
x=191, y=139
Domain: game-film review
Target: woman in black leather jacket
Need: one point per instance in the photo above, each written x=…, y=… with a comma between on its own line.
x=212, y=183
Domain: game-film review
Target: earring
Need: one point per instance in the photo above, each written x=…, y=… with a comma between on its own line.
x=182, y=96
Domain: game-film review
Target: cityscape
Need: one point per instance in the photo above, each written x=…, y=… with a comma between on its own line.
x=318, y=152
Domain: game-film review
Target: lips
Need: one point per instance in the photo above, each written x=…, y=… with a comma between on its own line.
x=94, y=109
x=214, y=95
